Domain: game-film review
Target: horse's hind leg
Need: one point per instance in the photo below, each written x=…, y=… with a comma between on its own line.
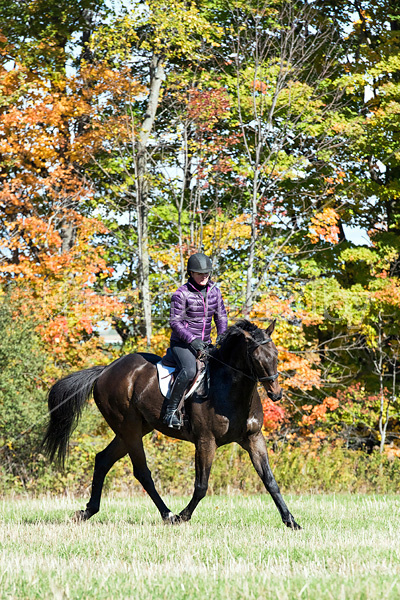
x=255, y=445
x=103, y=462
x=205, y=452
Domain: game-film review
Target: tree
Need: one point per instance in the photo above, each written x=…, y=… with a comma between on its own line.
x=47, y=244
x=160, y=44
x=22, y=390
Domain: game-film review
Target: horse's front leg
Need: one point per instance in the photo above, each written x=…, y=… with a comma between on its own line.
x=205, y=452
x=143, y=475
x=255, y=446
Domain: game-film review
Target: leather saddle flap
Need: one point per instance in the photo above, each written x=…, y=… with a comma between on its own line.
x=168, y=359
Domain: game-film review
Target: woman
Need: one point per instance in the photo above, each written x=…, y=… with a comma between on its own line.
x=193, y=306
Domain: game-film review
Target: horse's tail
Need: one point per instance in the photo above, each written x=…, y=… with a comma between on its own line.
x=66, y=400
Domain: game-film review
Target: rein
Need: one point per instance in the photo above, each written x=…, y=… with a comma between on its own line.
x=256, y=378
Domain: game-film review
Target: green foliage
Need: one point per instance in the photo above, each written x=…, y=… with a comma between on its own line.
x=22, y=396
x=41, y=31
x=298, y=468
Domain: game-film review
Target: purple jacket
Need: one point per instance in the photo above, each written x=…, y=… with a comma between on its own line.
x=191, y=315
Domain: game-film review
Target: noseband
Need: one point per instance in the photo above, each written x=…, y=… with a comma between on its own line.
x=268, y=377
x=254, y=375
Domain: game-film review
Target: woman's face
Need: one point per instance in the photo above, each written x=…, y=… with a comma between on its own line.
x=200, y=278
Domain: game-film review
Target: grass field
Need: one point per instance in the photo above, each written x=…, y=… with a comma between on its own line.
x=235, y=547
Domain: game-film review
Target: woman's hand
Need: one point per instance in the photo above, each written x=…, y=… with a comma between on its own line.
x=198, y=345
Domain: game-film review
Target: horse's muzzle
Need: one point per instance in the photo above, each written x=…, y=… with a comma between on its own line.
x=275, y=397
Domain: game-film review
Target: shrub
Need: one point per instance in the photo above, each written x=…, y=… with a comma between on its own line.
x=22, y=395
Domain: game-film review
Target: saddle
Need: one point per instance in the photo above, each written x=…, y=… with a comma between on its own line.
x=166, y=368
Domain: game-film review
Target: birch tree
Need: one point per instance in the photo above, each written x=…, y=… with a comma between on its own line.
x=154, y=45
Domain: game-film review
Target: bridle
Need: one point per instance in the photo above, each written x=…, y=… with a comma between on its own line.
x=254, y=376
x=267, y=377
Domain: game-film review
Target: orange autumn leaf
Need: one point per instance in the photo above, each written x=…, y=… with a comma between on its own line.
x=50, y=252
x=324, y=226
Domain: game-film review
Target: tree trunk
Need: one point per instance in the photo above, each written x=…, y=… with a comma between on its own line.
x=67, y=233
x=252, y=251
x=142, y=190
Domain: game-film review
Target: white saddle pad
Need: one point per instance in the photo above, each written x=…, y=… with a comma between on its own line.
x=165, y=380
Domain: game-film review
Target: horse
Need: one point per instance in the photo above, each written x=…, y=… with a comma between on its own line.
x=127, y=394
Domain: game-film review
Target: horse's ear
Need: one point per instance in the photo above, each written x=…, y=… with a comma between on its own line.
x=270, y=328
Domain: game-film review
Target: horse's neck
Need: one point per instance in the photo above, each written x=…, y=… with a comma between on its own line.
x=239, y=393
x=238, y=365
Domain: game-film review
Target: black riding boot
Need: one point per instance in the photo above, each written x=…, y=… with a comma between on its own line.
x=178, y=389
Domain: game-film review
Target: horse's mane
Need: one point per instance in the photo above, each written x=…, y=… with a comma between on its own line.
x=235, y=330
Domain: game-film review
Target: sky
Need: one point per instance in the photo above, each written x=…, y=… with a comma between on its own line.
x=357, y=235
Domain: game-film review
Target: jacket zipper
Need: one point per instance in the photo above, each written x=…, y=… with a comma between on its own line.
x=205, y=306
x=205, y=314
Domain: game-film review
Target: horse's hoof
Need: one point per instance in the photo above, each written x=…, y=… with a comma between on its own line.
x=291, y=523
x=81, y=515
x=172, y=519
x=183, y=517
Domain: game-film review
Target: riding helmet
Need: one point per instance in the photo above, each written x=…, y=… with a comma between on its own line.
x=199, y=263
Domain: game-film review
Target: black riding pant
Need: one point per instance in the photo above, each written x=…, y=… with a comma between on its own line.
x=185, y=359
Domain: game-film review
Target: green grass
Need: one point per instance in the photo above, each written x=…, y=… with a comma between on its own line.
x=234, y=548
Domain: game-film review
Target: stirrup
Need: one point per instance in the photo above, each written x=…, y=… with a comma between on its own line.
x=172, y=420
